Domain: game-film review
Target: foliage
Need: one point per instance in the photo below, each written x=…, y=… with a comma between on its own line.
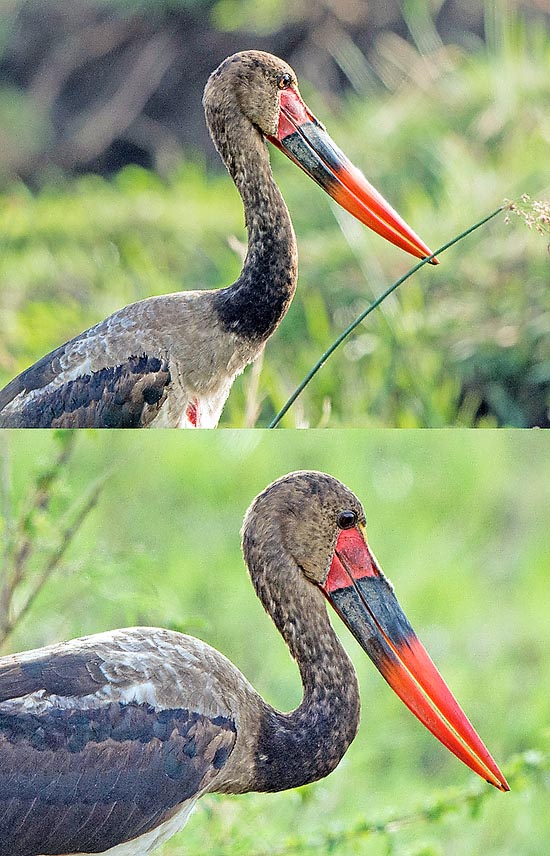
x=37, y=534
x=94, y=85
x=459, y=522
x=380, y=299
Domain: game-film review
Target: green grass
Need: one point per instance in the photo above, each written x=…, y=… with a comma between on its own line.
x=459, y=522
x=465, y=343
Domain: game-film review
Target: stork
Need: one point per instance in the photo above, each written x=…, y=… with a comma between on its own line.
x=170, y=360
x=106, y=742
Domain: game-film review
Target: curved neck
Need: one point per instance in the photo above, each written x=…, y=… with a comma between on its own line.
x=308, y=743
x=253, y=306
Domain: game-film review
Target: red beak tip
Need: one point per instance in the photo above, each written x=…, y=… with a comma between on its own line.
x=434, y=261
x=499, y=782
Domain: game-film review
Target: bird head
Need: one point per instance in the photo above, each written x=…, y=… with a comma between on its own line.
x=263, y=89
x=313, y=527
x=255, y=79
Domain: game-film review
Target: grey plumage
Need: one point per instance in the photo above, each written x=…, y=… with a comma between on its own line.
x=128, y=395
x=108, y=740
x=97, y=745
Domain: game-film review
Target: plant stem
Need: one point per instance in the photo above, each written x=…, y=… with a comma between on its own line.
x=372, y=306
x=520, y=770
x=55, y=559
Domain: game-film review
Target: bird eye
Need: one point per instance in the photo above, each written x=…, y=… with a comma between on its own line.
x=347, y=519
x=284, y=81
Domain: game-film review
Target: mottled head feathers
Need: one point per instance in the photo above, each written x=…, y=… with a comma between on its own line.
x=250, y=80
x=298, y=516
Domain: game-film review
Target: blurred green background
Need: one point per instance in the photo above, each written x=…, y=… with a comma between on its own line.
x=458, y=521
x=111, y=191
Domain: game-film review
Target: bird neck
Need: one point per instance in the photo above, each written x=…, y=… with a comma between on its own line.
x=255, y=304
x=308, y=743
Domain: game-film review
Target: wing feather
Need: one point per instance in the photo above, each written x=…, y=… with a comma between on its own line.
x=127, y=395
x=84, y=766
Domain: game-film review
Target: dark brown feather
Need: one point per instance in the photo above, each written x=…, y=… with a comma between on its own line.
x=36, y=376
x=73, y=674
x=85, y=780
x=128, y=395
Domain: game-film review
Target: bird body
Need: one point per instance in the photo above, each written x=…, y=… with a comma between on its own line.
x=106, y=742
x=170, y=360
x=129, y=728
x=176, y=381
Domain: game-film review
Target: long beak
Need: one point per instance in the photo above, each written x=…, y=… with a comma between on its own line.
x=364, y=599
x=305, y=141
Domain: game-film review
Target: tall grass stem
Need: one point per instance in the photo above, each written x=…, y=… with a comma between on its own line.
x=372, y=306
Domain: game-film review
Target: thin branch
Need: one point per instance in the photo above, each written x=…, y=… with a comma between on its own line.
x=7, y=513
x=372, y=306
x=28, y=578
x=391, y=318
x=38, y=500
x=20, y=546
x=55, y=559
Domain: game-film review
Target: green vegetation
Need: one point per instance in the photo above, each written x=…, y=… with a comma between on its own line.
x=465, y=343
x=458, y=520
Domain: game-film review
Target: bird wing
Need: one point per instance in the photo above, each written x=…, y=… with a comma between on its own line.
x=158, y=357
x=128, y=394
x=90, y=754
